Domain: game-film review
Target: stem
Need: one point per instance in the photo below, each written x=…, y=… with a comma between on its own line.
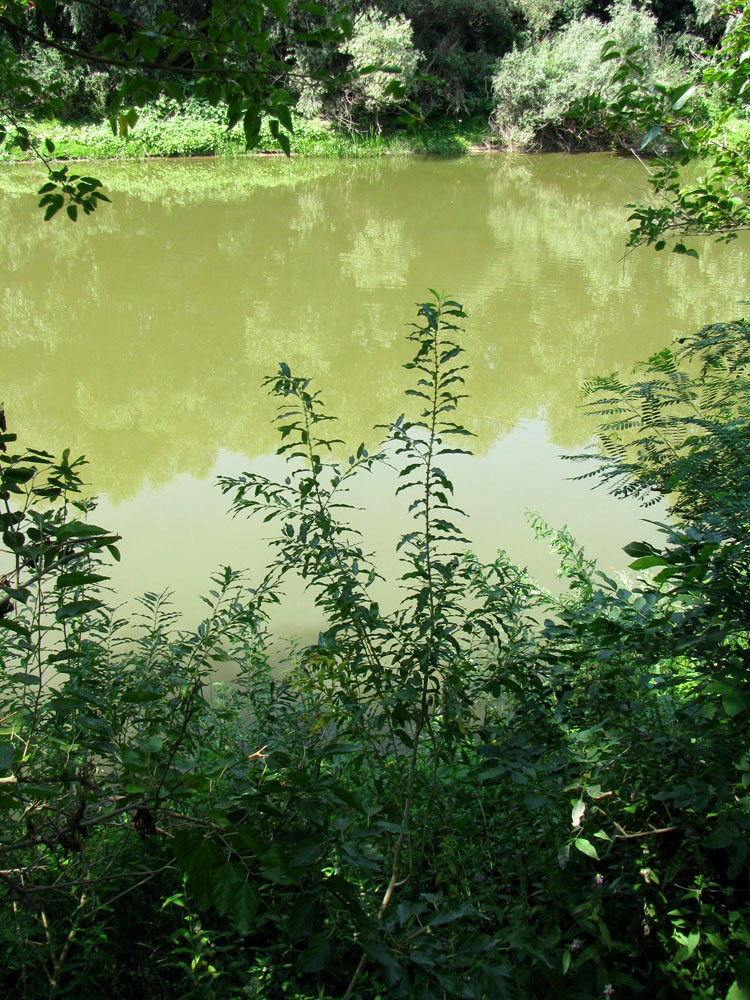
x=429, y=660
x=373, y=658
x=395, y=880
x=57, y=963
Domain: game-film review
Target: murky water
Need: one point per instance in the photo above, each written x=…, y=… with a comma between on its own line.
x=140, y=336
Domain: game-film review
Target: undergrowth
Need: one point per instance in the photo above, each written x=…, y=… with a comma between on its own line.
x=485, y=791
x=165, y=129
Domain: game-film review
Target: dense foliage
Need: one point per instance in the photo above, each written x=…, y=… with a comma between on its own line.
x=515, y=64
x=706, y=121
x=535, y=88
x=218, y=54
x=487, y=791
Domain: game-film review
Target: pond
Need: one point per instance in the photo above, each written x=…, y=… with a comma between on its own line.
x=140, y=337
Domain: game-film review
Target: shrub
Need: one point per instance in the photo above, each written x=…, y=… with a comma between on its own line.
x=446, y=799
x=535, y=88
x=378, y=40
x=539, y=16
x=461, y=40
x=81, y=91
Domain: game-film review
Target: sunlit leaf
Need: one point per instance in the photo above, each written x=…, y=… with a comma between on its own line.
x=684, y=98
x=586, y=847
x=577, y=813
x=652, y=134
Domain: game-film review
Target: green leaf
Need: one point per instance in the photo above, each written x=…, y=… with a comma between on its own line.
x=648, y=562
x=734, y=702
x=450, y=916
x=586, y=847
x=283, y=140
x=63, y=655
x=278, y=8
x=680, y=248
x=378, y=951
x=21, y=594
x=690, y=943
x=421, y=960
x=76, y=608
x=304, y=854
x=225, y=879
x=742, y=970
x=198, y=858
x=18, y=475
x=14, y=626
x=79, y=529
x=604, y=931
x=140, y=696
x=7, y=756
x=303, y=918
x=719, y=840
x=739, y=855
x=316, y=955
x=53, y=206
x=684, y=98
x=533, y=801
x=78, y=579
x=243, y=907
x=652, y=133
x=149, y=47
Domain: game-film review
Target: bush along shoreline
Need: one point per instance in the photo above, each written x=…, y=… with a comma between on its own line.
x=519, y=75
x=486, y=791
x=166, y=129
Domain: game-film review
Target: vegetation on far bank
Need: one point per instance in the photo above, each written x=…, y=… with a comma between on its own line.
x=166, y=129
x=506, y=74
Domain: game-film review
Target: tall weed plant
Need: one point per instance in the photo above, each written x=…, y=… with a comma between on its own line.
x=484, y=791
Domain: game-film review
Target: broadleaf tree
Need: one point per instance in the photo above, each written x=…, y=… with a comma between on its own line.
x=701, y=121
x=224, y=52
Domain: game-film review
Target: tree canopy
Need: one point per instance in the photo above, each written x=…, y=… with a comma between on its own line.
x=702, y=120
x=225, y=53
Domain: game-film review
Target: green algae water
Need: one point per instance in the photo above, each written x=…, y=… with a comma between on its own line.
x=140, y=337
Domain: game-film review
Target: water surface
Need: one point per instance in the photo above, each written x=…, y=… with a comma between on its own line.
x=141, y=336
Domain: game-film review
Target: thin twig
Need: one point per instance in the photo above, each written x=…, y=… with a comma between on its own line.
x=624, y=835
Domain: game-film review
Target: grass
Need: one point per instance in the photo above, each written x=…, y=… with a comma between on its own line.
x=166, y=130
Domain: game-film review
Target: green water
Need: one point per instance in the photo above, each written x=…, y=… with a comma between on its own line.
x=140, y=336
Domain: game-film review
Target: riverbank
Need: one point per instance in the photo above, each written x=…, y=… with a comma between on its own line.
x=166, y=130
